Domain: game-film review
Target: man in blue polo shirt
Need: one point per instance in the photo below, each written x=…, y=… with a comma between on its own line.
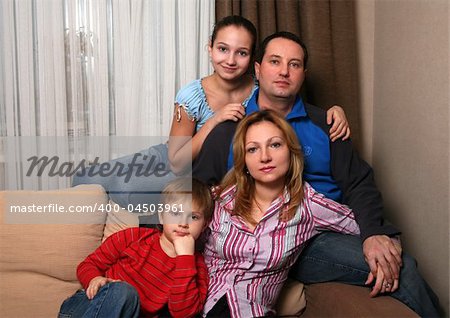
x=332, y=168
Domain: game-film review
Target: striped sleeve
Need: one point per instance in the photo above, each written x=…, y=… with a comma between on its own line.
x=107, y=254
x=330, y=215
x=190, y=285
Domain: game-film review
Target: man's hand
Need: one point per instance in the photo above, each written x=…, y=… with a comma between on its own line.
x=382, y=252
x=340, y=128
x=96, y=283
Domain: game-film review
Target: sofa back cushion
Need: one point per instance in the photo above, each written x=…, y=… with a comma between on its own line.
x=119, y=219
x=38, y=261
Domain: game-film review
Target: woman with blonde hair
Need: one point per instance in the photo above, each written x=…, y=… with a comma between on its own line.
x=264, y=215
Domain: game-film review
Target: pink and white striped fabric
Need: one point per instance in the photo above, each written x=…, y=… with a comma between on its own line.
x=250, y=268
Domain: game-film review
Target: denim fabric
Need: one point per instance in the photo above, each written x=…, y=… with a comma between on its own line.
x=133, y=187
x=338, y=257
x=116, y=299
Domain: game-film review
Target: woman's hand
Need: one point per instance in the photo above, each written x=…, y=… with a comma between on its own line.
x=381, y=284
x=384, y=257
x=381, y=251
x=96, y=283
x=340, y=128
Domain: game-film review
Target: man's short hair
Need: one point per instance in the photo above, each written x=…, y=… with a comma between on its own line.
x=284, y=35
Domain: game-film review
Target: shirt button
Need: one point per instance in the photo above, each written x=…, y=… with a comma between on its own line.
x=215, y=299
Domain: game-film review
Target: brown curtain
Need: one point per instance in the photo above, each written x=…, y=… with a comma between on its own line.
x=328, y=29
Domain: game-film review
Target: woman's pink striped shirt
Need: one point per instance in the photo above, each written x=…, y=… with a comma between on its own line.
x=251, y=267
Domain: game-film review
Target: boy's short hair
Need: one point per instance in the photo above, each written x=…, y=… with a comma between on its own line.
x=180, y=189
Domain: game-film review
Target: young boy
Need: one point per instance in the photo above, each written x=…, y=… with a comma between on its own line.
x=147, y=272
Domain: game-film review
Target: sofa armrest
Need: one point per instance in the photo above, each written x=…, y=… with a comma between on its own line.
x=38, y=260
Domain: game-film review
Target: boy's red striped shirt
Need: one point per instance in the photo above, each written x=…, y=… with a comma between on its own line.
x=135, y=256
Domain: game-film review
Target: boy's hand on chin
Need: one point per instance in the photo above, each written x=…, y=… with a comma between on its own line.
x=184, y=244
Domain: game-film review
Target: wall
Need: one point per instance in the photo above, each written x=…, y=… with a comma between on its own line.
x=404, y=60
x=365, y=33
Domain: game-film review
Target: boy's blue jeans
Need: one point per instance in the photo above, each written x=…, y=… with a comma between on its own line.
x=117, y=299
x=338, y=257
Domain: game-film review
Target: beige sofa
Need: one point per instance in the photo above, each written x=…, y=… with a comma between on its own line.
x=38, y=260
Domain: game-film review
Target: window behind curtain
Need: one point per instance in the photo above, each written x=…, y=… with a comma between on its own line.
x=95, y=68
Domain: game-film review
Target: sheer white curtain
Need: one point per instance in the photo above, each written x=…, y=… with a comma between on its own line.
x=95, y=68
x=164, y=48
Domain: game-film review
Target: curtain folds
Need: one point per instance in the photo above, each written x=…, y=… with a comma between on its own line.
x=74, y=68
x=328, y=29
x=98, y=68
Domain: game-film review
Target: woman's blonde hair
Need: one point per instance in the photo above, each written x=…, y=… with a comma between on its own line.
x=245, y=185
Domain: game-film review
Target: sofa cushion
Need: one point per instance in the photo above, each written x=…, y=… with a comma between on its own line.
x=292, y=300
x=341, y=300
x=119, y=219
x=38, y=260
